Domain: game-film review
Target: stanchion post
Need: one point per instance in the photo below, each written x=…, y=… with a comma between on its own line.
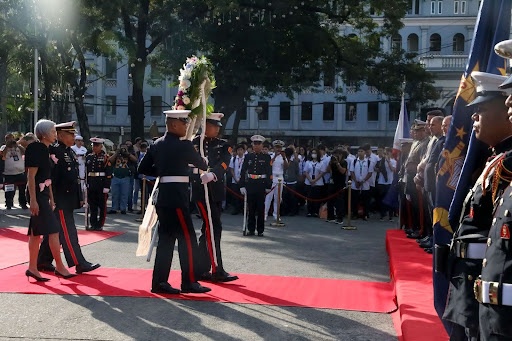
x=142, y=199
x=278, y=222
x=349, y=226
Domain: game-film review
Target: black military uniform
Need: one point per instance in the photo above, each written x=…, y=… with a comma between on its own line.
x=218, y=153
x=67, y=195
x=256, y=178
x=468, y=245
x=169, y=158
x=98, y=174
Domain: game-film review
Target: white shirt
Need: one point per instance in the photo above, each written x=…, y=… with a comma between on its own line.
x=325, y=163
x=277, y=168
x=389, y=172
x=314, y=169
x=374, y=158
x=80, y=152
x=236, y=164
x=14, y=161
x=361, y=170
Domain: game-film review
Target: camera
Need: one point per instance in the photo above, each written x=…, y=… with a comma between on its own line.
x=124, y=152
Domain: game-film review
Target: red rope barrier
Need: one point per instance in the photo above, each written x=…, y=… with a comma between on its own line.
x=294, y=192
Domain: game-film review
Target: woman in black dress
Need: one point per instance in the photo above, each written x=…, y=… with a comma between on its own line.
x=42, y=220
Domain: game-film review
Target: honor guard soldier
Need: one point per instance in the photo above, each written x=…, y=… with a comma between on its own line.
x=279, y=164
x=255, y=182
x=169, y=158
x=491, y=126
x=218, y=153
x=99, y=174
x=494, y=289
x=67, y=195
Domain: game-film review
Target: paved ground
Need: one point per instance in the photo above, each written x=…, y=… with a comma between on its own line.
x=305, y=247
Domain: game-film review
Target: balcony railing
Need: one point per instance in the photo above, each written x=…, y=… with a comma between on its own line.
x=444, y=63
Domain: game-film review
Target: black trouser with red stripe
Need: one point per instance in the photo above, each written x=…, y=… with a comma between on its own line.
x=175, y=223
x=68, y=239
x=205, y=255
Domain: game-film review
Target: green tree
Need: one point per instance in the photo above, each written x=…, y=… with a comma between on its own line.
x=265, y=47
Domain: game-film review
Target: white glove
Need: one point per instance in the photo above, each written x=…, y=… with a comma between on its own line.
x=408, y=197
x=243, y=191
x=267, y=190
x=106, y=190
x=207, y=177
x=205, y=159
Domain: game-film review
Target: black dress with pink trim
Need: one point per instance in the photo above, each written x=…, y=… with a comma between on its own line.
x=37, y=155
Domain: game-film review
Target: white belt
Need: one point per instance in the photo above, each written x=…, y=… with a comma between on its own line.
x=96, y=174
x=172, y=178
x=489, y=293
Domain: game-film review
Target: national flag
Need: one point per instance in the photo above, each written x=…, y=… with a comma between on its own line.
x=492, y=26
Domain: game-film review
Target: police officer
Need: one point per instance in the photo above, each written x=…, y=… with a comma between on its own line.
x=492, y=127
x=99, y=174
x=255, y=182
x=218, y=153
x=67, y=195
x=494, y=289
x=169, y=158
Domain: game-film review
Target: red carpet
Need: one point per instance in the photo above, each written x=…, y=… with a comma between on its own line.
x=411, y=271
x=13, y=243
x=251, y=289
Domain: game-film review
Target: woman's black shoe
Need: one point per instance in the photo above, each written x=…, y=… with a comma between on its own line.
x=58, y=274
x=28, y=273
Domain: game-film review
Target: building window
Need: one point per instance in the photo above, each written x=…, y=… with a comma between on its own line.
x=463, y=7
x=306, y=111
x=456, y=7
x=417, y=7
x=284, y=111
x=156, y=105
x=432, y=7
x=373, y=111
x=351, y=112
x=394, y=110
x=396, y=43
x=111, y=105
x=263, y=116
x=458, y=43
x=111, y=68
x=439, y=7
x=328, y=111
x=329, y=77
x=130, y=105
x=412, y=43
x=435, y=43
x=89, y=109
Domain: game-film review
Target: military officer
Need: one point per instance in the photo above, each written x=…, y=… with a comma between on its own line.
x=169, y=158
x=255, y=182
x=494, y=289
x=279, y=164
x=99, y=174
x=218, y=153
x=492, y=127
x=67, y=195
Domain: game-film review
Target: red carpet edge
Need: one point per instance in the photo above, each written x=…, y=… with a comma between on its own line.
x=411, y=273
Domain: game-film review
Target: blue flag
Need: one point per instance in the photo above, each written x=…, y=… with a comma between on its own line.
x=454, y=177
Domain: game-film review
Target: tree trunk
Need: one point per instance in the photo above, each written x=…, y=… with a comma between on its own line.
x=229, y=101
x=137, y=114
x=47, y=90
x=79, y=90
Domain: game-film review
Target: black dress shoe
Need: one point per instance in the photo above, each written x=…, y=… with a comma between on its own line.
x=428, y=250
x=194, y=288
x=48, y=267
x=223, y=277
x=86, y=268
x=260, y=234
x=165, y=288
x=415, y=235
x=251, y=233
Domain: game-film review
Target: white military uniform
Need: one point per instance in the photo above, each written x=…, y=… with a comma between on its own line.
x=277, y=173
